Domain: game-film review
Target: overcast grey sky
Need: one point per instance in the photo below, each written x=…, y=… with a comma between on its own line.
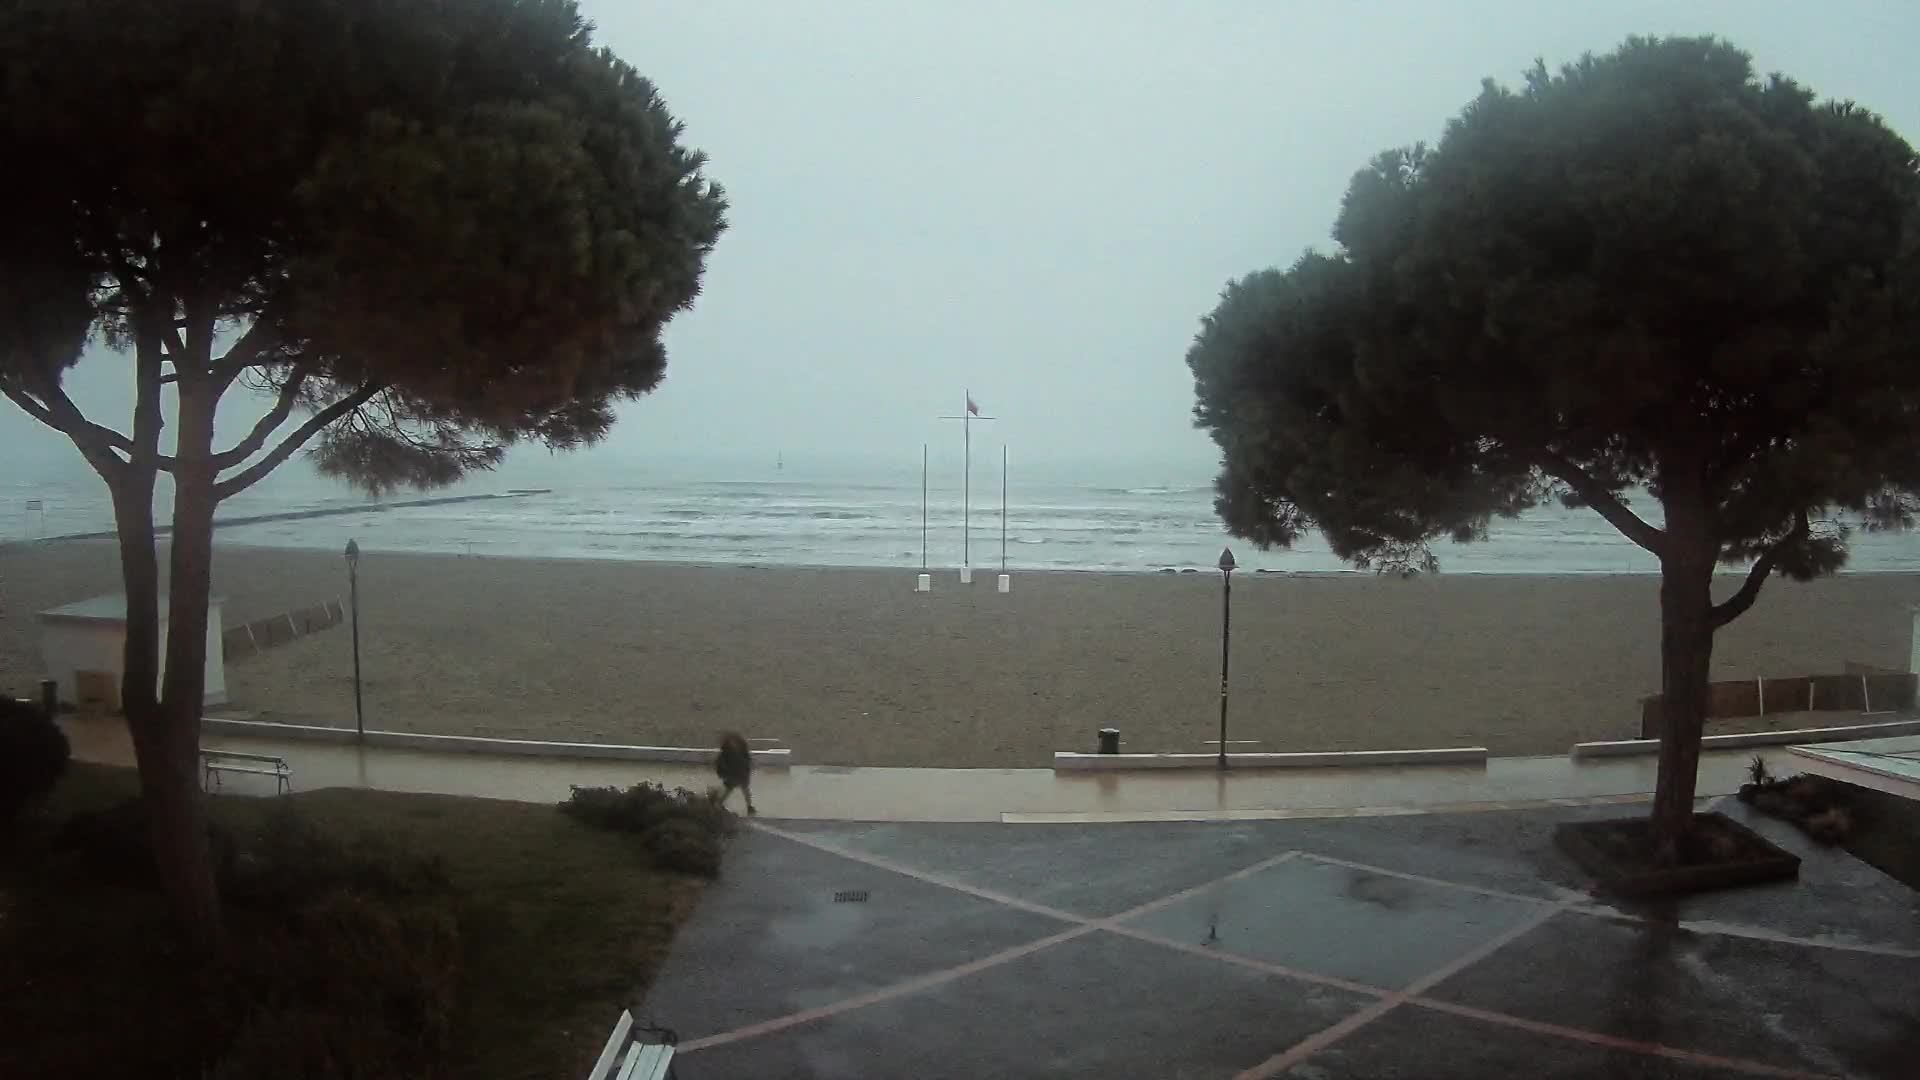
x=1038, y=200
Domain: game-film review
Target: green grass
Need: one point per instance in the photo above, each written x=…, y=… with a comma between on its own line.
x=560, y=926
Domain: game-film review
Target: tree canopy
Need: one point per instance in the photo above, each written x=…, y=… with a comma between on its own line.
x=435, y=227
x=1646, y=260
x=1649, y=271
x=424, y=229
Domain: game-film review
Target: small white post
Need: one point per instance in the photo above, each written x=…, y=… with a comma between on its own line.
x=1006, y=583
x=924, y=583
x=1913, y=653
x=966, y=575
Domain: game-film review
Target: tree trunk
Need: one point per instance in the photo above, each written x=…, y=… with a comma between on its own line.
x=179, y=811
x=1686, y=658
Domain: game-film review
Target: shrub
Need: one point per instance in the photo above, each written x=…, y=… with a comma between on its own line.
x=288, y=861
x=684, y=846
x=114, y=845
x=354, y=987
x=33, y=757
x=1830, y=826
x=277, y=865
x=680, y=830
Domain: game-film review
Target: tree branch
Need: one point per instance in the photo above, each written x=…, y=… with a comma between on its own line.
x=96, y=443
x=315, y=424
x=1736, y=605
x=56, y=410
x=264, y=428
x=244, y=354
x=1604, y=502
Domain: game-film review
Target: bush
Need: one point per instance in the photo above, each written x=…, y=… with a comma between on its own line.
x=114, y=845
x=684, y=846
x=680, y=830
x=33, y=757
x=288, y=861
x=278, y=865
x=1830, y=826
x=355, y=988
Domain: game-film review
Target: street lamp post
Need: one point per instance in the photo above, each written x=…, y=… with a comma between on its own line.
x=353, y=589
x=1226, y=637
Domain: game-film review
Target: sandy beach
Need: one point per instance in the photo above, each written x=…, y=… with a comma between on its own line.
x=852, y=667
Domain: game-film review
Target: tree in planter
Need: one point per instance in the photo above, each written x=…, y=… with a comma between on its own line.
x=1649, y=270
x=424, y=231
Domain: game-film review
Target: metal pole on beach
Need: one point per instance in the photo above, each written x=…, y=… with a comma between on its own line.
x=1003, y=508
x=923, y=506
x=1226, y=639
x=353, y=589
x=967, y=416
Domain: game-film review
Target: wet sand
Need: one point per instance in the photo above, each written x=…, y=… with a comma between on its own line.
x=852, y=667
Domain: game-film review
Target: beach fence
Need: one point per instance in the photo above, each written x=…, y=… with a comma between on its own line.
x=263, y=634
x=1862, y=688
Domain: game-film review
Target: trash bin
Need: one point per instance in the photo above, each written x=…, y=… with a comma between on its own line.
x=1109, y=740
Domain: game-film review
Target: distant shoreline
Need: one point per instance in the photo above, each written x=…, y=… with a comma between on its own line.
x=979, y=569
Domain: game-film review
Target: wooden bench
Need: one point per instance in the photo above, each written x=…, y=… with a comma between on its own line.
x=215, y=762
x=627, y=1056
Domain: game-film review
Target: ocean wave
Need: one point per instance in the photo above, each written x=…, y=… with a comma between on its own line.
x=1149, y=490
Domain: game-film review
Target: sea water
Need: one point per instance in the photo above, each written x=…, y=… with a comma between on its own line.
x=814, y=513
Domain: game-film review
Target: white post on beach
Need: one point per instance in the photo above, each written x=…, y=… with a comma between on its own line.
x=1913, y=651
x=923, y=508
x=1006, y=582
x=967, y=416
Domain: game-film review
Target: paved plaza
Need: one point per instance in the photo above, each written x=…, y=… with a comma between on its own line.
x=1423, y=946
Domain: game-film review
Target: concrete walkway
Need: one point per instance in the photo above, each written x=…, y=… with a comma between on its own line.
x=838, y=793
x=1418, y=947
x=1326, y=925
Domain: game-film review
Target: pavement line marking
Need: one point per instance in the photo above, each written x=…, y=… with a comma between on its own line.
x=886, y=993
x=1264, y=966
x=1598, y=910
x=882, y=863
x=1615, y=1042
x=1320, y=1040
x=1207, y=886
x=1425, y=880
x=1387, y=1001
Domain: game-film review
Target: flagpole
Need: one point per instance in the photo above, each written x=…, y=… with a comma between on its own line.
x=968, y=415
x=1003, y=508
x=966, y=483
x=923, y=506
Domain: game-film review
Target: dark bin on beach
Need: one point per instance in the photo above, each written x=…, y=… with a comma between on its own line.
x=1109, y=740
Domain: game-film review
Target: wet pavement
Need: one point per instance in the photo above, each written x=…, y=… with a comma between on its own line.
x=1428, y=946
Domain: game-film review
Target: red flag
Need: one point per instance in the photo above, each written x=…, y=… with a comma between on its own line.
x=971, y=407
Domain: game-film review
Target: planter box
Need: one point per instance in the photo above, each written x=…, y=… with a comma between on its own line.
x=1594, y=845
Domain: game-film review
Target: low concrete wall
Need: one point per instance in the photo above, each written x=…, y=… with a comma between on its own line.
x=1629, y=747
x=469, y=744
x=1456, y=755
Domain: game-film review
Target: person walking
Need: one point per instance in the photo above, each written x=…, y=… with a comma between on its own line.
x=734, y=766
